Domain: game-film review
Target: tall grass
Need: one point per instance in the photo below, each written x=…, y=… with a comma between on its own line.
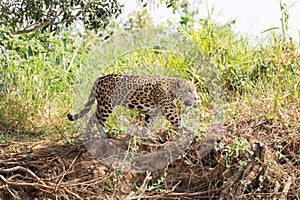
x=42, y=76
x=37, y=73
x=266, y=73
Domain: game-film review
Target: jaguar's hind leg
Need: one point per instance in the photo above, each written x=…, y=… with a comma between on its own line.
x=101, y=116
x=90, y=129
x=149, y=117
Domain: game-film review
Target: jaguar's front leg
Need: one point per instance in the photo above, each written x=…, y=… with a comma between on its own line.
x=148, y=119
x=171, y=114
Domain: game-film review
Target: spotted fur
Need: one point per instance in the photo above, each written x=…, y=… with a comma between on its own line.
x=142, y=93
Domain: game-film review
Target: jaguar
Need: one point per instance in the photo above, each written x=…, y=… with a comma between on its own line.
x=150, y=95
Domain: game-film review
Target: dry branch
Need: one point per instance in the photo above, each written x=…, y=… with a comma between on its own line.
x=287, y=188
x=64, y=171
x=19, y=168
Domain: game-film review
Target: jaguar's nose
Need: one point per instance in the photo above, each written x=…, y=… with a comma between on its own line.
x=187, y=103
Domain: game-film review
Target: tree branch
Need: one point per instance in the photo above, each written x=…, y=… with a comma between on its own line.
x=51, y=22
x=32, y=29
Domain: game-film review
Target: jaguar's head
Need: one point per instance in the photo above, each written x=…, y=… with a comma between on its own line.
x=186, y=92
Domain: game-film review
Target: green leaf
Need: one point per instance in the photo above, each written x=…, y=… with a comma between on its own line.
x=270, y=29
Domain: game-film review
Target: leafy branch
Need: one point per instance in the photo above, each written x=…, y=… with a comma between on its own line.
x=51, y=15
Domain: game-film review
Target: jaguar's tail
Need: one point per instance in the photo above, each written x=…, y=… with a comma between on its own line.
x=87, y=107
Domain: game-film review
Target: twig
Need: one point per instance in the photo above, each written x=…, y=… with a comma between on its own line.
x=90, y=182
x=175, y=186
x=145, y=182
x=72, y=193
x=224, y=189
x=191, y=194
x=287, y=188
x=142, y=189
x=172, y=194
x=20, y=168
x=65, y=172
x=6, y=186
x=251, y=172
x=35, y=185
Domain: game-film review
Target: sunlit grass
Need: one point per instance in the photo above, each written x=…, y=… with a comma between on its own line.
x=45, y=78
x=37, y=75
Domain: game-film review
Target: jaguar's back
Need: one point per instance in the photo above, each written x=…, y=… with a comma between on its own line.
x=142, y=93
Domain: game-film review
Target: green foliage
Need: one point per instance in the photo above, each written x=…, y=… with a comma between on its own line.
x=174, y=4
x=187, y=14
x=40, y=72
x=49, y=15
x=138, y=19
x=36, y=70
x=242, y=66
x=19, y=17
x=238, y=151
